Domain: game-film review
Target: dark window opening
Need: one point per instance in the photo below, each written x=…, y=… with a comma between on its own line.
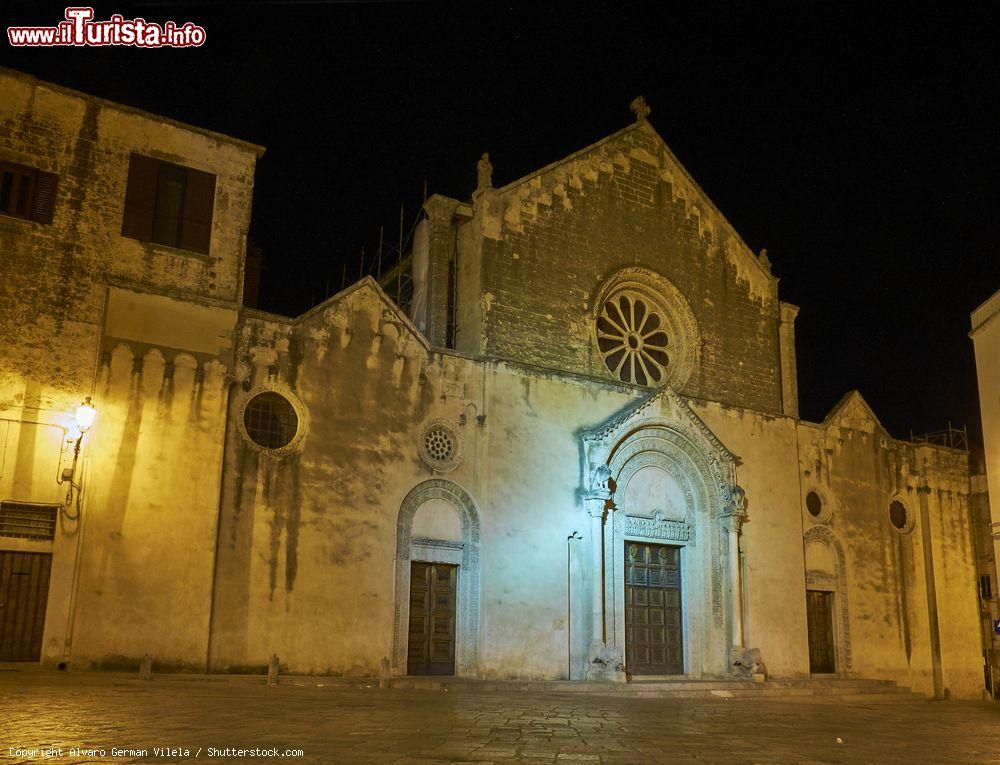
x=270, y=420
x=985, y=587
x=814, y=504
x=169, y=211
x=897, y=514
x=168, y=204
x=26, y=192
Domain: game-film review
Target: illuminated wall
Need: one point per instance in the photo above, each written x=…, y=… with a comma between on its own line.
x=146, y=330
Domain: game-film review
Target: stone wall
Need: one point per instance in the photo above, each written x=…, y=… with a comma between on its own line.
x=986, y=341
x=147, y=331
x=55, y=275
x=541, y=247
x=309, y=541
x=910, y=589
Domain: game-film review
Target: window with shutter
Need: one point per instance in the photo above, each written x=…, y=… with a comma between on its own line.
x=168, y=204
x=27, y=192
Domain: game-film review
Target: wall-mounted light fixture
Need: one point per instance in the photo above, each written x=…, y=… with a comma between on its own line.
x=85, y=416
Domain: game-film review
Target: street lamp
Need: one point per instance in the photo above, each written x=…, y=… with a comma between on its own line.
x=85, y=415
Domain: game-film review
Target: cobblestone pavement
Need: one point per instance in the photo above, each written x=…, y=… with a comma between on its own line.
x=358, y=725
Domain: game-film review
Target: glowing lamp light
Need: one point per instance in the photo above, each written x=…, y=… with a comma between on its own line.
x=85, y=414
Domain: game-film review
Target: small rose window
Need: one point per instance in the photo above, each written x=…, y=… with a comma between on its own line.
x=632, y=340
x=439, y=445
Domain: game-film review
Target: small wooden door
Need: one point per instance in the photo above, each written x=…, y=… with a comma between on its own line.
x=24, y=591
x=819, y=613
x=653, y=641
x=432, y=619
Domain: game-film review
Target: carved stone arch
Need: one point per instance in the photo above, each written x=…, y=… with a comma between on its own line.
x=688, y=461
x=664, y=299
x=662, y=437
x=465, y=553
x=836, y=584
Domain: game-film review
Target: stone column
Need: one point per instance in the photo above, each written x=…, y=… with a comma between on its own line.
x=733, y=523
x=595, y=507
x=930, y=587
x=440, y=211
x=789, y=373
x=742, y=660
x=605, y=661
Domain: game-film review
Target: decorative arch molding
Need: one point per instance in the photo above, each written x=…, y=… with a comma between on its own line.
x=663, y=431
x=661, y=295
x=836, y=584
x=465, y=553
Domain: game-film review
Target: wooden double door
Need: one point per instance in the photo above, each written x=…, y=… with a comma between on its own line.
x=819, y=615
x=654, y=643
x=24, y=591
x=433, y=592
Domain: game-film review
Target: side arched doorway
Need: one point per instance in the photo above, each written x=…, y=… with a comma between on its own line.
x=827, y=612
x=437, y=594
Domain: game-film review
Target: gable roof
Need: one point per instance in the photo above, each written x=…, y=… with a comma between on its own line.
x=854, y=413
x=580, y=166
x=365, y=284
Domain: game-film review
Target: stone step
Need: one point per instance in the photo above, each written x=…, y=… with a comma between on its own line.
x=842, y=689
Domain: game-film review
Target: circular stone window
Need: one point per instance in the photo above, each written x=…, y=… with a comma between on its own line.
x=440, y=447
x=899, y=517
x=270, y=420
x=814, y=504
x=632, y=340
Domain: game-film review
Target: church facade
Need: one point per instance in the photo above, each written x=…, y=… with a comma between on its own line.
x=575, y=453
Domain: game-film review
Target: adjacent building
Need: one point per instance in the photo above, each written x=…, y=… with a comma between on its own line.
x=572, y=451
x=986, y=487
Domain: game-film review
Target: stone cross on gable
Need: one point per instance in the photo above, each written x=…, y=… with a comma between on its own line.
x=640, y=108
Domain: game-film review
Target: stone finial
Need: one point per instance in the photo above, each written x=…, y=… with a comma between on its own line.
x=764, y=260
x=640, y=108
x=485, y=171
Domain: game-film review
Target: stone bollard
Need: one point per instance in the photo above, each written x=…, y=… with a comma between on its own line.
x=383, y=678
x=272, y=670
x=146, y=668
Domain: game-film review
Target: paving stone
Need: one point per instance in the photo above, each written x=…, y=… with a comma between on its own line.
x=410, y=727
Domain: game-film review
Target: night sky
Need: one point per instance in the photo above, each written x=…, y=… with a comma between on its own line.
x=858, y=144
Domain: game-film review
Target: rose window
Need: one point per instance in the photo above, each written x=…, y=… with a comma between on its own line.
x=439, y=445
x=632, y=340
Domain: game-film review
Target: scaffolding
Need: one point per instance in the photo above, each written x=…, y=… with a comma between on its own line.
x=952, y=437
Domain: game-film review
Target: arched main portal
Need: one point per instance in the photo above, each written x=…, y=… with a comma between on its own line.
x=438, y=523
x=663, y=486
